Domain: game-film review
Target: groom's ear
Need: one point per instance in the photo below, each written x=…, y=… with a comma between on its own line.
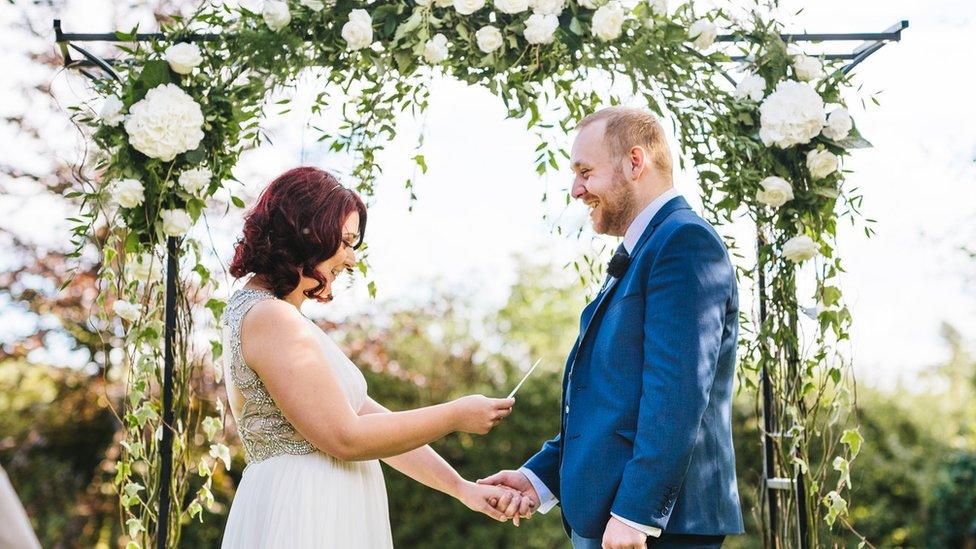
x=638, y=162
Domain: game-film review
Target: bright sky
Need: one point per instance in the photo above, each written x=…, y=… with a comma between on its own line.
x=479, y=204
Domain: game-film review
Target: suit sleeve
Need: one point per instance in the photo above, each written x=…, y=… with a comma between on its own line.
x=545, y=464
x=688, y=289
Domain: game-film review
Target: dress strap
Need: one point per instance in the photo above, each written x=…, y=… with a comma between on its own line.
x=239, y=303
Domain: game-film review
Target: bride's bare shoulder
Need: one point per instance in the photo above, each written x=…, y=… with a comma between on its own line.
x=273, y=321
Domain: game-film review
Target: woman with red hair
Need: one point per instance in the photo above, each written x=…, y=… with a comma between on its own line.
x=312, y=435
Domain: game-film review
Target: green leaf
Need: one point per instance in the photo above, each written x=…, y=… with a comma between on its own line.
x=830, y=296
x=154, y=73
x=853, y=439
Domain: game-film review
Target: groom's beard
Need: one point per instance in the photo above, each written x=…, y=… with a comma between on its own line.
x=617, y=209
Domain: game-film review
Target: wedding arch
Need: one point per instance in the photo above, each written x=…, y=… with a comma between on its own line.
x=768, y=141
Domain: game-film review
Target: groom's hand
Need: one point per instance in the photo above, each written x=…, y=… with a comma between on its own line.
x=516, y=481
x=620, y=536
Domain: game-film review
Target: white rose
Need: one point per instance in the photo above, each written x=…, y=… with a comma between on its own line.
x=659, y=8
x=314, y=5
x=126, y=310
x=176, y=222
x=821, y=163
x=358, y=31
x=547, y=7
x=540, y=29
x=592, y=4
x=511, y=6
x=276, y=14
x=165, y=123
x=467, y=7
x=703, y=33
x=776, y=191
x=435, y=50
x=443, y=3
x=128, y=193
x=608, y=21
x=423, y=3
x=807, y=68
x=792, y=114
x=489, y=38
x=752, y=86
x=183, y=57
x=196, y=179
x=144, y=268
x=800, y=248
x=111, y=112
x=839, y=124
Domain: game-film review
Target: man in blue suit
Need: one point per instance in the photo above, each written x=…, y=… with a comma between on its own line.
x=644, y=455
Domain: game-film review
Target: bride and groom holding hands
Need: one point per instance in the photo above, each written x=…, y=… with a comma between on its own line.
x=644, y=455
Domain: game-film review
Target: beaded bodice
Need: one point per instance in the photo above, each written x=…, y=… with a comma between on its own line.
x=264, y=430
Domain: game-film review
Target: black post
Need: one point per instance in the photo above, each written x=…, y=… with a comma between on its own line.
x=769, y=463
x=166, y=445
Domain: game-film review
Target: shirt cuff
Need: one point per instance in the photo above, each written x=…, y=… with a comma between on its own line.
x=649, y=530
x=546, y=500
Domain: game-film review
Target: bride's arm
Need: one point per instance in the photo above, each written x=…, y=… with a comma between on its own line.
x=427, y=467
x=280, y=346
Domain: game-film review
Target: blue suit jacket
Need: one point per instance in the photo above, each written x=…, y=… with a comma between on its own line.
x=646, y=429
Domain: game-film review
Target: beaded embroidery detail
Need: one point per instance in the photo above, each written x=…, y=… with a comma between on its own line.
x=262, y=427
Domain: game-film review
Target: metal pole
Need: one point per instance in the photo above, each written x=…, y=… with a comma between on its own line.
x=769, y=463
x=166, y=445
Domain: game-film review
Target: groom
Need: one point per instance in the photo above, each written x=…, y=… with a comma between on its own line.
x=644, y=455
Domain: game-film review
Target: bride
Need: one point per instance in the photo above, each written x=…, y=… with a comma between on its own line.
x=311, y=433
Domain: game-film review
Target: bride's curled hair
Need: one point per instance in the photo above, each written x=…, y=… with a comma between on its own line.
x=295, y=225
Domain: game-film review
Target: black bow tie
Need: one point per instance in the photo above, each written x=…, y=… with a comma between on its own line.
x=619, y=263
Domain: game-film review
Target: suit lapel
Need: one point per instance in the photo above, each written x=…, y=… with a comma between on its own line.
x=677, y=203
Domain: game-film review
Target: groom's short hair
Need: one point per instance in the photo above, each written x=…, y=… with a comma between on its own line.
x=627, y=127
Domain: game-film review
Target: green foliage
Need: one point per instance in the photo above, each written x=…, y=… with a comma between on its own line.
x=549, y=86
x=953, y=522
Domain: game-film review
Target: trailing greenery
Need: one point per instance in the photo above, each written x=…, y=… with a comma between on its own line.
x=149, y=185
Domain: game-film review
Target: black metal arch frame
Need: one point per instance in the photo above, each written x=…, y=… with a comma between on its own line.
x=772, y=484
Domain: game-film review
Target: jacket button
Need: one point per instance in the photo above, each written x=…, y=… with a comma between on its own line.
x=567, y=408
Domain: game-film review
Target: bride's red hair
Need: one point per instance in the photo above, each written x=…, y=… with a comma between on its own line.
x=295, y=225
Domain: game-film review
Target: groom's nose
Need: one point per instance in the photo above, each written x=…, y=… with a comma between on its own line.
x=578, y=189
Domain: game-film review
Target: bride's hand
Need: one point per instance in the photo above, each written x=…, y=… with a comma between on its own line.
x=479, y=414
x=489, y=499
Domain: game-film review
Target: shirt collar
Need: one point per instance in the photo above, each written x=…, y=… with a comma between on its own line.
x=640, y=222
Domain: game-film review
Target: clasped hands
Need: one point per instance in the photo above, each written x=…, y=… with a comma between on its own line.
x=518, y=499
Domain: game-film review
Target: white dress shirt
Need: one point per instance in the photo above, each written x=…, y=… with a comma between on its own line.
x=546, y=498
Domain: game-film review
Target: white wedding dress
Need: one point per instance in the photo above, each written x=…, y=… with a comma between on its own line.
x=292, y=495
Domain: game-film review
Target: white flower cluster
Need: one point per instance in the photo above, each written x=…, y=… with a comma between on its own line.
x=467, y=7
x=358, y=31
x=800, y=248
x=489, y=38
x=791, y=115
x=608, y=21
x=145, y=268
x=775, y=192
x=703, y=33
x=511, y=6
x=176, y=222
x=183, y=57
x=165, y=123
x=752, y=87
x=276, y=14
x=127, y=193
x=839, y=124
x=541, y=28
x=111, y=112
x=195, y=180
x=435, y=50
